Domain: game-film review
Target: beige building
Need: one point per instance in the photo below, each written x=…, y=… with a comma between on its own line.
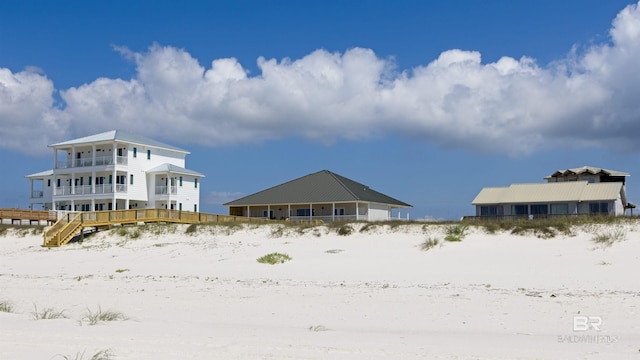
x=584, y=190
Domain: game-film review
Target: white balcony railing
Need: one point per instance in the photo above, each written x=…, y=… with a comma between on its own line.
x=37, y=194
x=104, y=189
x=85, y=162
x=86, y=189
x=166, y=190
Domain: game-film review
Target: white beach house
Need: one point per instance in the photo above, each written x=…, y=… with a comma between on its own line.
x=577, y=191
x=115, y=170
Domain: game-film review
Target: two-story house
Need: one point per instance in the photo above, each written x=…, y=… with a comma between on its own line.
x=577, y=191
x=116, y=170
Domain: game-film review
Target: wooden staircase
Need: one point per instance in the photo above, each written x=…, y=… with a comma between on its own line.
x=72, y=224
x=63, y=230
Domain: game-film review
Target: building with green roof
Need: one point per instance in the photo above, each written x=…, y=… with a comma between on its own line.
x=323, y=195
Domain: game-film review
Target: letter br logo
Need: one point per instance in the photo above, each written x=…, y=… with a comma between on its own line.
x=584, y=323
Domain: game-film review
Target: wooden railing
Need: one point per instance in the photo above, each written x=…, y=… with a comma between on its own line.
x=63, y=230
x=28, y=215
x=72, y=223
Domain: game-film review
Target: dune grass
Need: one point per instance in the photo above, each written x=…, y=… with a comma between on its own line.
x=550, y=227
x=608, y=238
x=6, y=306
x=456, y=232
x=47, y=314
x=93, y=318
x=429, y=243
x=99, y=355
x=274, y=258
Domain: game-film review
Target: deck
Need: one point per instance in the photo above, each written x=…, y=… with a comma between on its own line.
x=72, y=224
x=32, y=217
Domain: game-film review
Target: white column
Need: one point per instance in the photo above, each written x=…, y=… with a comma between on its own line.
x=333, y=211
x=31, y=193
x=54, y=179
x=310, y=212
x=357, y=211
x=113, y=177
x=126, y=186
x=168, y=181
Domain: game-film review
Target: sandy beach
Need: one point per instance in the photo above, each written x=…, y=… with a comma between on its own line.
x=371, y=294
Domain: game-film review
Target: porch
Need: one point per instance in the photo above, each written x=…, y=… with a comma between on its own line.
x=327, y=212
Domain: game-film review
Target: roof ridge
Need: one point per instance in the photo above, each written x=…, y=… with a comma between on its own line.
x=335, y=176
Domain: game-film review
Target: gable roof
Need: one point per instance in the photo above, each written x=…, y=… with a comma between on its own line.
x=41, y=174
x=570, y=191
x=170, y=168
x=320, y=187
x=122, y=136
x=587, y=170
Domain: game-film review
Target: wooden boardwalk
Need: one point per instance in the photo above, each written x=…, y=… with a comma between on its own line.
x=32, y=217
x=72, y=224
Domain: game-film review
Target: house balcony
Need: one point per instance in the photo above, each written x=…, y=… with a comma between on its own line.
x=166, y=190
x=37, y=194
x=86, y=189
x=88, y=162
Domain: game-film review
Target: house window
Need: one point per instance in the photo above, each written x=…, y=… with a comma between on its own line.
x=519, y=209
x=58, y=184
x=89, y=180
x=180, y=206
x=339, y=212
x=598, y=207
x=48, y=182
x=303, y=212
x=180, y=181
x=135, y=152
x=110, y=181
x=488, y=210
x=270, y=214
x=195, y=183
x=559, y=209
x=539, y=209
x=148, y=154
x=195, y=207
x=131, y=179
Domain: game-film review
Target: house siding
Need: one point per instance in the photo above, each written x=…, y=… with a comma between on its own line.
x=79, y=167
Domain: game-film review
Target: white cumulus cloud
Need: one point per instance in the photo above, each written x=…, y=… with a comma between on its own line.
x=513, y=106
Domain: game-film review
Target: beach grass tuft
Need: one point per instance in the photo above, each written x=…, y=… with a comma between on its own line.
x=106, y=354
x=607, y=239
x=456, y=232
x=429, y=243
x=47, y=314
x=274, y=258
x=93, y=318
x=6, y=306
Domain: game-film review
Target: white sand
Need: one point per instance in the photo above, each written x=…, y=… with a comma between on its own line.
x=372, y=295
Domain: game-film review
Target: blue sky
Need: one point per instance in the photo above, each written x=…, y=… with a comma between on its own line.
x=425, y=101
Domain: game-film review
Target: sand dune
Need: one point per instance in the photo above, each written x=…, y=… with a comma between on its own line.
x=371, y=294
